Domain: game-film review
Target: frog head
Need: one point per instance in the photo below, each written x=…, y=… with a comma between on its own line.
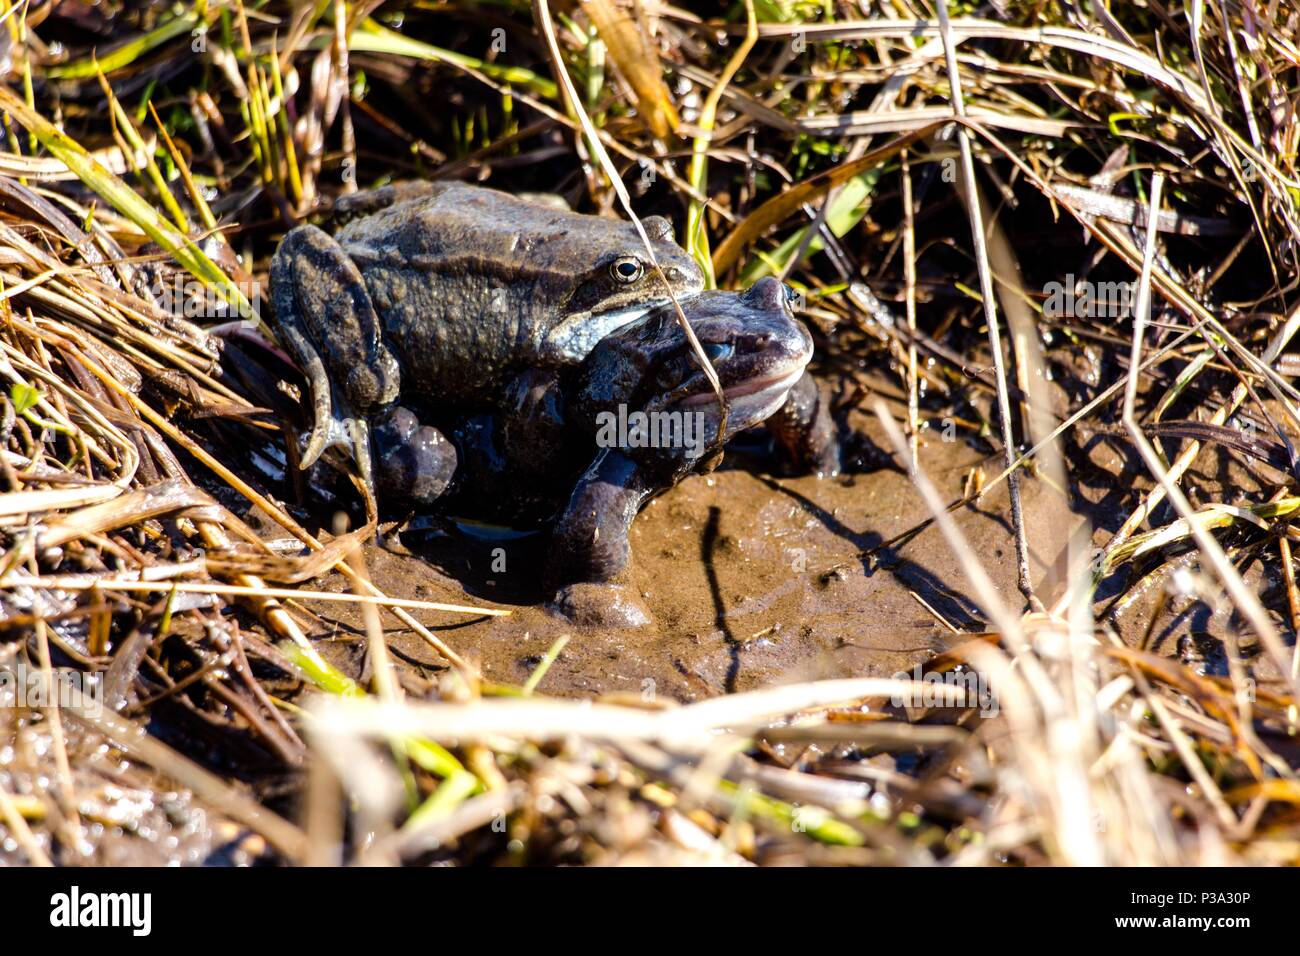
x=613, y=281
x=642, y=388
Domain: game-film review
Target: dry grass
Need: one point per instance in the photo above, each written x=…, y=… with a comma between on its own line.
x=830, y=152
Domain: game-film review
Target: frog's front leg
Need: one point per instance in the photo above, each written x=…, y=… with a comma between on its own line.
x=326, y=320
x=590, y=546
x=590, y=539
x=804, y=430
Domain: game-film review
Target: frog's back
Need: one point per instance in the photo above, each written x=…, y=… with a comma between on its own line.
x=468, y=281
x=458, y=228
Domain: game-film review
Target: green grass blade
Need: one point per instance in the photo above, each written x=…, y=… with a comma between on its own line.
x=370, y=37
x=127, y=53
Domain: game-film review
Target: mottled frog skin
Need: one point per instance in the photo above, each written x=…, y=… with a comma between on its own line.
x=760, y=353
x=552, y=454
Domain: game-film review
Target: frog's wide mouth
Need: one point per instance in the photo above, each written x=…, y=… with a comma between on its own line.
x=754, y=391
x=749, y=402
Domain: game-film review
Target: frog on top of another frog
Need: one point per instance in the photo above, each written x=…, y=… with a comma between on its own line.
x=446, y=320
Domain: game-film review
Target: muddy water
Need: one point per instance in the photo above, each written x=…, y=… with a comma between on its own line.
x=750, y=580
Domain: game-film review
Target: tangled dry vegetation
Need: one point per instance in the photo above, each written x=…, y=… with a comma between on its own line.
x=823, y=138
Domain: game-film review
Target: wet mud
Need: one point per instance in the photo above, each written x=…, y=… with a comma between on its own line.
x=750, y=580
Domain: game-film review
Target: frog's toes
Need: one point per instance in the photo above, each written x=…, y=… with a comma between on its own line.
x=826, y=461
x=348, y=433
x=588, y=604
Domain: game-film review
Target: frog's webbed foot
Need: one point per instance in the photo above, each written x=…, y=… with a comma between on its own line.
x=323, y=314
x=590, y=540
x=804, y=430
x=346, y=431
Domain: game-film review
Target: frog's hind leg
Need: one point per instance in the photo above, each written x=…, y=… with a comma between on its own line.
x=324, y=313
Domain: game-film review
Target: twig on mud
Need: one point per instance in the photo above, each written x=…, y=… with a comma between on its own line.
x=991, y=602
x=259, y=591
x=909, y=279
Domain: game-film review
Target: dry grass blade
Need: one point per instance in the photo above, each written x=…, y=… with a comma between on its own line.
x=782, y=206
x=543, y=15
x=691, y=727
x=126, y=201
x=973, y=203
x=697, y=238
x=257, y=591
x=1245, y=599
x=638, y=63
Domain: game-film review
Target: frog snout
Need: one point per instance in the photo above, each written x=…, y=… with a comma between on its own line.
x=783, y=335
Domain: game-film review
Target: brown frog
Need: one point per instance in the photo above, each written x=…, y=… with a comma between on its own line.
x=443, y=293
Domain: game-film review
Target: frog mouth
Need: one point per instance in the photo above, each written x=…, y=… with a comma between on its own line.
x=752, y=393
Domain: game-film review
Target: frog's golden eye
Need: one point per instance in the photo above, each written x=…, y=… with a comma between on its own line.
x=626, y=269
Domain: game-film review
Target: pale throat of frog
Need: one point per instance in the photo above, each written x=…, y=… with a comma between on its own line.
x=574, y=338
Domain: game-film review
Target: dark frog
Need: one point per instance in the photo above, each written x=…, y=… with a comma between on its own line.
x=650, y=416
x=582, y=449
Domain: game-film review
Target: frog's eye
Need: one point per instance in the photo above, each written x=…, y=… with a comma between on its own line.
x=626, y=269
x=717, y=351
